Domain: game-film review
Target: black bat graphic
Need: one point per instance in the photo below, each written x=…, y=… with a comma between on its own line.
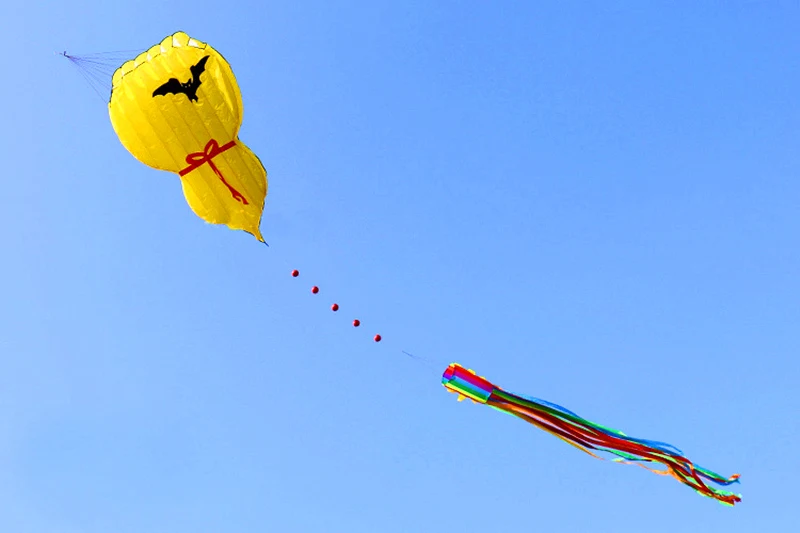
x=174, y=86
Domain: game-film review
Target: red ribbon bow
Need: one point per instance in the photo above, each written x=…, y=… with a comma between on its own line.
x=212, y=150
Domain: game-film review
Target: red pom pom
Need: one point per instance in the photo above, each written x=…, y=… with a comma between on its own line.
x=377, y=338
x=356, y=323
x=295, y=273
x=335, y=307
x=314, y=289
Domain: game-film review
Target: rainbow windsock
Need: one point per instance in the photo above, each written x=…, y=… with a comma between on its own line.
x=586, y=435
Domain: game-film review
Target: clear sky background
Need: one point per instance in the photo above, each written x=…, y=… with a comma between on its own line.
x=594, y=203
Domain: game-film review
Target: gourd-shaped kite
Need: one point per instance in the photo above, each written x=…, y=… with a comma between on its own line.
x=177, y=107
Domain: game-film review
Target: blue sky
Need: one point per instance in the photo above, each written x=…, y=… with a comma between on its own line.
x=595, y=203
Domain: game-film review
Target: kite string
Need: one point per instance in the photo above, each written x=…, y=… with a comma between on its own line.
x=433, y=366
x=335, y=307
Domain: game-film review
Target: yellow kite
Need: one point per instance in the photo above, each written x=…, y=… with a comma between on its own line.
x=177, y=107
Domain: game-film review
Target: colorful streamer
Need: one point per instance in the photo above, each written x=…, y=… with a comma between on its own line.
x=586, y=435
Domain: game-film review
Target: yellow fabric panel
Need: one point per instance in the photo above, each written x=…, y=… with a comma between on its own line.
x=177, y=107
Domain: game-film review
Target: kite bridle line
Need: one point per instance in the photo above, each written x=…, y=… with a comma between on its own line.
x=97, y=68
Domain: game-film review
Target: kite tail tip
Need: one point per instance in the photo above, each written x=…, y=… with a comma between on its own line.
x=731, y=499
